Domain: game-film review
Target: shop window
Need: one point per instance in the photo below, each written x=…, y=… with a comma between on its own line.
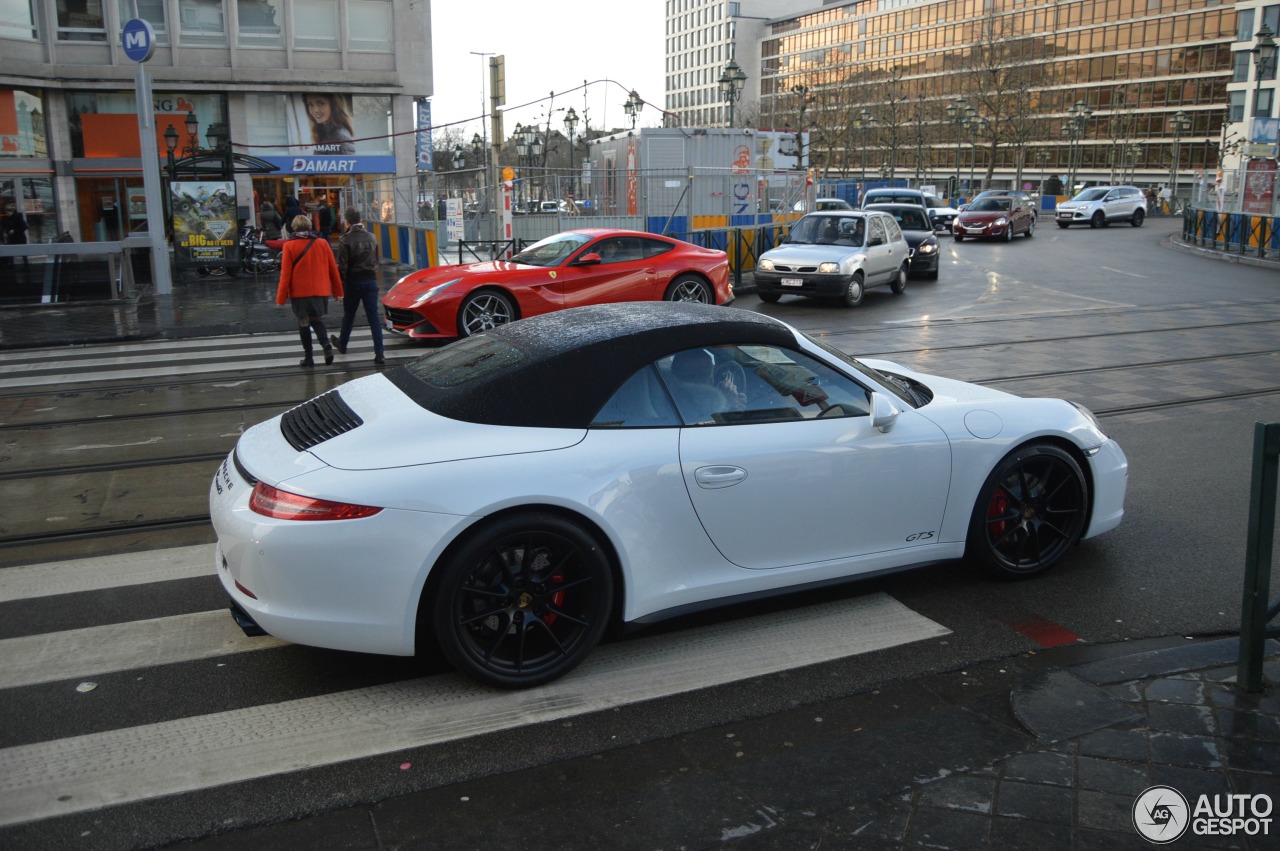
x=202, y=23
x=22, y=130
x=261, y=23
x=151, y=11
x=315, y=24
x=17, y=20
x=81, y=20
x=34, y=197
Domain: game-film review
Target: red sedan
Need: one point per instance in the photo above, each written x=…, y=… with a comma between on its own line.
x=996, y=217
x=570, y=269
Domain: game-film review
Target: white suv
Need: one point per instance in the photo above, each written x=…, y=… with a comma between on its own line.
x=1099, y=206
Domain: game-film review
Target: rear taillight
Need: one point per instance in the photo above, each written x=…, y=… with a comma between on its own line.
x=282, y=505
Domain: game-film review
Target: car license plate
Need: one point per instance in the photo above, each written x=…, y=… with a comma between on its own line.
x=974, y=230
x=792, y=282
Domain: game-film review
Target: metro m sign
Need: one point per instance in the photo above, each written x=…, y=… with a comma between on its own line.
x=139, y=40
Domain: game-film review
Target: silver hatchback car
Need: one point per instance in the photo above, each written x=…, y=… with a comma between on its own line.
x=838, y=254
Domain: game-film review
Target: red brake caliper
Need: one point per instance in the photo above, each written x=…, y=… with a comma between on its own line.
x=557, y=598
x=999, y=505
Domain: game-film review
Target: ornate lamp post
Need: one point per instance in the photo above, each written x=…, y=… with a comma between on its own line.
x=459, y=159
x=192, y=146
x=1041, y=156
x=522, y=156
x=1179, y=124
x=1264, y=54
x=220, y=141
x=864, y=121
x=632, y=107
x=979, y=126
x=956, y=115
x=571, y=126
x=731, y=82
x=1074, y=129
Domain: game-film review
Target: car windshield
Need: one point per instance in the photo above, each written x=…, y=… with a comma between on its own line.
x=990, y=205
x=911, y=219
x=890, y=198
x=1090, y=195
x=551, y=251
x=828, y=230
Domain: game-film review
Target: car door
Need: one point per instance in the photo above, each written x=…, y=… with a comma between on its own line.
x=880, y=266
x=790, y=470
x=623, y=274
x=1113, y=205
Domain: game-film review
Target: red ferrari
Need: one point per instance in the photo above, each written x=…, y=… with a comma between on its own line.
x=570, y=269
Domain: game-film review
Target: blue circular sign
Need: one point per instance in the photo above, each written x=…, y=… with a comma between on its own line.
x=139, y=40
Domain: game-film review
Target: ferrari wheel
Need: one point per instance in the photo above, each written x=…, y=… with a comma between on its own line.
x=853, y=291
x=899, y=284
x=688, y=288
x=523, y=601
x=482, y=311
x=1030, y=512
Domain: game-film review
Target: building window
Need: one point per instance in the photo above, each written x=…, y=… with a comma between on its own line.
x=81, y=20
x=22, y=131
x=201, y=23
x=1263, y=105
x=151, y=11
x=369, y=26
x=17, y=20
x=1235, y=107
x=315, y=24
x=1244, y=25
x=261, y=23
x=1242, y=61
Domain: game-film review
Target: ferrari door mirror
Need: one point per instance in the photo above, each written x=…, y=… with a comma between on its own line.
x=591, y=259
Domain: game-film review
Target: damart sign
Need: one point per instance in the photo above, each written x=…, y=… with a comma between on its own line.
x=355, y=164
x=1162, y=815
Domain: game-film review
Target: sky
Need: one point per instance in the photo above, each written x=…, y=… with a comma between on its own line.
x=548, y=45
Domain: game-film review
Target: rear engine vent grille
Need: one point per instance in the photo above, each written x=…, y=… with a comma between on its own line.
x=314, y=422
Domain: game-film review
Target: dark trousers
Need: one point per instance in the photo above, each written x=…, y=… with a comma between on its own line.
x=359, y=293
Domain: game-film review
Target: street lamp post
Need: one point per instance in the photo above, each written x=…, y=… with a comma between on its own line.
x=190, y=149
x=459, y=161
x=957, y=115
x=632, y=107
x=1179, y=123
x=1264, y=53
x=570, y=126
x=1075, y=129
x=731, y=82
x=1041, y=156
x=979, y=125
x=522, y=154
x=865, y=120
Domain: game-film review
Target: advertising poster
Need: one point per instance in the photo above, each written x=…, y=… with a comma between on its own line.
x=1259, y=186
x=204, y=222
x=322, y=123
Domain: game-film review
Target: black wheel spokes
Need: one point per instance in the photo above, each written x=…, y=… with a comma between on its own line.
x=526, y=607
x=1044, y=507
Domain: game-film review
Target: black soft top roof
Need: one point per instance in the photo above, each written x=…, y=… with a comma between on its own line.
x=558, y=370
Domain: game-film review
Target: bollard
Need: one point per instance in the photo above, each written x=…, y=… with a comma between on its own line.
x=1255, y=612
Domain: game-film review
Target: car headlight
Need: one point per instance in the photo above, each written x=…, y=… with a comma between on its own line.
x=828, y=268
x=434, y=291
x=1001, y=222
x=1093, y=421
x=927, y=247
x=765, y=265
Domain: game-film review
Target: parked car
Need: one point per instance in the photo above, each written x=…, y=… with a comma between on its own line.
x=920, y=236
x=940, y=213
x=996, y=217
x=1099, y=206
x=839, y=254
x=507, y=498
x=569, y=269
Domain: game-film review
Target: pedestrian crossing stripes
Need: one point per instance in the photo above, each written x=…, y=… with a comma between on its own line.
x=175, y=359
x=79, y=773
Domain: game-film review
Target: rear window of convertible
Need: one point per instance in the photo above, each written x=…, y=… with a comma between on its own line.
x=466, y=360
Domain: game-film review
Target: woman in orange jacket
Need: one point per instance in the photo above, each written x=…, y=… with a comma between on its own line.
x=308, y=279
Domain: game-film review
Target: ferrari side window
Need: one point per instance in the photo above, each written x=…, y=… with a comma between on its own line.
x=654, y=247
x=639, y=403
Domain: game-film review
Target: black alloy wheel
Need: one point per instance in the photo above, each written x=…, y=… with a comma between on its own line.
x=1030, y=512
x=1138, y=215
x=523, y=601
x=1099, y=220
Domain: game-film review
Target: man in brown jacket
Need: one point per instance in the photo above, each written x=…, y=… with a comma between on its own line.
x=308, y=279
x=358, y=266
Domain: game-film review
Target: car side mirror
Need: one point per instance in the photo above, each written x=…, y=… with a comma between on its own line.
x=591, y=259
x=884, y=413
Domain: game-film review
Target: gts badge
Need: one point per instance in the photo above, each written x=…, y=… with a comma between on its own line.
x=920, y=536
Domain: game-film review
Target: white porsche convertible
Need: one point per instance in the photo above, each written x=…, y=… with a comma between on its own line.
x=514, y=493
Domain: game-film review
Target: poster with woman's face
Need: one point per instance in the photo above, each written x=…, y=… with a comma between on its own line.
x=323, y=123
